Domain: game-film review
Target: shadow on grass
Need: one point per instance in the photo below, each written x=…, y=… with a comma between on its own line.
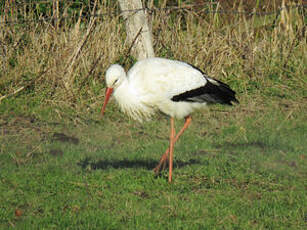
x=126, y=163
x=258, y=145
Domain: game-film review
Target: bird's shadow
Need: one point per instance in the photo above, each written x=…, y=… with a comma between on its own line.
x=128, y=163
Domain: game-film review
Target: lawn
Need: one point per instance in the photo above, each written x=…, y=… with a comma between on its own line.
x=240, y=167
x=63, y=166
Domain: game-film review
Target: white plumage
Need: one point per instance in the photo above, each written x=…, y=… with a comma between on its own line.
x=151, y=83
x=172, y=87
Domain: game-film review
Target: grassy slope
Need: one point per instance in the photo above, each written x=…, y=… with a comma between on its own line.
x=241, y=167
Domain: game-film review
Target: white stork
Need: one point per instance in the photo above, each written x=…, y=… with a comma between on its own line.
x=172, y=87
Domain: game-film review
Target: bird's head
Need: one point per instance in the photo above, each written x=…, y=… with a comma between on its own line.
x=115, y=75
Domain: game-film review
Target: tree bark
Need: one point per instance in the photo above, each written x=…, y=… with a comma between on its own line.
x=138, y=29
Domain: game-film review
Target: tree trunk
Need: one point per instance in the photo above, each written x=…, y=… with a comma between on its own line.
x=138, y=30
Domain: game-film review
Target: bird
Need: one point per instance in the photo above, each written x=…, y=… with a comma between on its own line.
x=172, y=87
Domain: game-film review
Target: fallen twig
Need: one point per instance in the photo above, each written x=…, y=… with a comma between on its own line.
x=13, y=93
x=23, y=87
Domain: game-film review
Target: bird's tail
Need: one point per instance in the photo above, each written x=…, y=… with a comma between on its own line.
x=220, y=92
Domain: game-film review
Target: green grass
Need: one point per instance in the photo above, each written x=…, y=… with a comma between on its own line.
x=241, y=167
x=64, y=167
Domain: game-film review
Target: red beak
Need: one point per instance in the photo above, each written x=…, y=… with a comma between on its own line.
x=109, y=92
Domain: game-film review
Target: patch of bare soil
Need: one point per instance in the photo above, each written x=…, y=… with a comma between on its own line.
x=23, y=136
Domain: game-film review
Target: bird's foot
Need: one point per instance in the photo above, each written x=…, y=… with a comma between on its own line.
x=162, y=163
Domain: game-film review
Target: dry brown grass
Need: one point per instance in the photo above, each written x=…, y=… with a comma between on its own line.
x=65, y=63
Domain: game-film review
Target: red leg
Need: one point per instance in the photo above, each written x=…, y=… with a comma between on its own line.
x=171, y=149
x=164, y=157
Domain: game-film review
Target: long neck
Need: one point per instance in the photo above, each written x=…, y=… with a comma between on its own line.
x=130, y=103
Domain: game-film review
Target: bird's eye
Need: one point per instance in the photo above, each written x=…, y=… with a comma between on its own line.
x=115, y=81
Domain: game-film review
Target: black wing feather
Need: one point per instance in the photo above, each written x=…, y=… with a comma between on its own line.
x=214, y=91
